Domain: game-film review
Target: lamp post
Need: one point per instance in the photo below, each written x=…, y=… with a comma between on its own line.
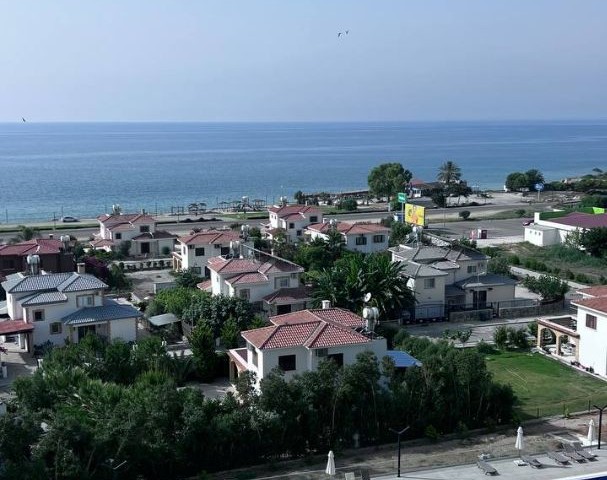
x=399, y=433
x=600, y=423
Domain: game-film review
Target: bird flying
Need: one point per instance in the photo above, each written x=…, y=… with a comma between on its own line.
x=339, y=34
x=23, y=119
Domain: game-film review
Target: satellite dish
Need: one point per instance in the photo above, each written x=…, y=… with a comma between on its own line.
x=367, y=297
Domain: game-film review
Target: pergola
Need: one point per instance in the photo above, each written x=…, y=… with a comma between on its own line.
x=561, y=327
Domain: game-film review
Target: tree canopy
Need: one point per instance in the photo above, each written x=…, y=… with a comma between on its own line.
x=449, y=173
x=595, y=241
x=387, y=179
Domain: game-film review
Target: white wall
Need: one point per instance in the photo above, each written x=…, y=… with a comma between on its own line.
x=370, y=246
x=126, y=329
x=428, y=295
x=462, y=273
x=542, y=237
x=592, y=345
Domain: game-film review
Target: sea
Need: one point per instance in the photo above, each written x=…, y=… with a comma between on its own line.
x=50, y=170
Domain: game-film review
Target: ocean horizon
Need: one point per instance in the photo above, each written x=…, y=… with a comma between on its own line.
x=82, y=169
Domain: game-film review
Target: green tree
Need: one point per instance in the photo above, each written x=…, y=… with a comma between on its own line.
x=533, y=178
x=516, y=181
x=595, y=241
x=348, y=204
x=548, y=287
x=399, y=232
x=500, y=337
x=300, y=198
x=202, y=341
x=387, y=179
x=464, y=214
x=187, y=278
x=124, y=248
x=594, y=201
x=449, y=173
x=25, y=233
x=439, y=198
x=499, y=265
x=117, y=279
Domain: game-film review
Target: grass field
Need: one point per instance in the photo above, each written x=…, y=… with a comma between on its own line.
x=544, y=386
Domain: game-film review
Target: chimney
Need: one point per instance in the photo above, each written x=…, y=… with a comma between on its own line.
x=80, y=268
x=326, y=304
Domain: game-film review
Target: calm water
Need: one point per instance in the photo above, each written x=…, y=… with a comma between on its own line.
x=82, y=169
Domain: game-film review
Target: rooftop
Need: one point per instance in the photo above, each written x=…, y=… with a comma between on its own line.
x=62, y=282
x=111, y=310
x=209, y=237
x=350, y=228
x=582, y=220
x=287, y=210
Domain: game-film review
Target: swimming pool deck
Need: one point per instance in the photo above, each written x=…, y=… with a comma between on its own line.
x=508, y=469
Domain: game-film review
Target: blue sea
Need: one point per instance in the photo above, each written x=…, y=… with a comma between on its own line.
x=81, y=169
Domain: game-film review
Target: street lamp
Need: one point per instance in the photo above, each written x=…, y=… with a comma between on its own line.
x=600, y=423
x=399, y=434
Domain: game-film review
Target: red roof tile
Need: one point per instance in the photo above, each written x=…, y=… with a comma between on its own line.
x=205, y=286
x=209, y=237
x=282, y=212
x=247, y=278
x=600, y=291
x=582, y=220
x=126, y=217
x=289, y=295
x=15, y=326
x=599, y=304
x=38, y=246
x=350, y=228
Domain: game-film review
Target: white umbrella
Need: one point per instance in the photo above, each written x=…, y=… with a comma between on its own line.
x=519, y=445
x=591, y=431
x=330, y=470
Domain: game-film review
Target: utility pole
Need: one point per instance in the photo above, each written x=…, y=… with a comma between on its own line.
x=399, y=433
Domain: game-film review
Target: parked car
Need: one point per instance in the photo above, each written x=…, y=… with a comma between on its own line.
x=69, y=219
x=526, y=223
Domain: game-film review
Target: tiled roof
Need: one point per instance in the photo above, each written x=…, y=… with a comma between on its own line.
x=599, y=291
x=210, y=237
x=43, y=298
x=485, y=280
x=418, y=270
x=233, y=265
x=157, y=235
x=63, y=282
x=287, y=210
x=36, y=246
x=599, y=303
x=247, y=278
x=309, y=328
x=14, y=326
x=126, y=217
x=289, y=295
x=350, y=228
x=110, y=311
x=582, y=220
x=102, y=243
x=205, y=285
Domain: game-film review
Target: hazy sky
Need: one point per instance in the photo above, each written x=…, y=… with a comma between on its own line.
x=262, y=60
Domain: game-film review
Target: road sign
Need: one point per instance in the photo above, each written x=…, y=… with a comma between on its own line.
x=539, y=187
x=402, y=197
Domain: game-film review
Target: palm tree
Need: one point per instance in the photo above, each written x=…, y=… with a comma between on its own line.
x=449, y=172
x=25, y=234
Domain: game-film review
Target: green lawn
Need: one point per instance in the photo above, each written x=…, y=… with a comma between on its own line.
x=545, y=384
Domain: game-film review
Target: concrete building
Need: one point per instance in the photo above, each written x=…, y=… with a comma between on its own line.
x=297, y=342
x=357, y=237
x=56, y=307
x=553, y=228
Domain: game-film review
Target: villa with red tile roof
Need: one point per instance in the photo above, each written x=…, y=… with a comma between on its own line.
x=55, y=255
x=297, y=342
x=195, y=250
x=358, y=237
x=553, y=228
x=270, y=283
x=137, y=228
x=291, y=220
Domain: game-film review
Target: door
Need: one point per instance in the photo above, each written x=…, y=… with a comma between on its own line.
x=479, y=299
x=86, y=329
x=145, y=248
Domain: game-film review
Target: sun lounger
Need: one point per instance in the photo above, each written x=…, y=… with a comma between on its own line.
x=577, y=447
x=531, y=461
x=570, y=452
x=558, y=457
x=486, y=468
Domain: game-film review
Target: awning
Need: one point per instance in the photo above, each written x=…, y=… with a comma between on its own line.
x=403, y=359
x=9, y=327
x=164, y=319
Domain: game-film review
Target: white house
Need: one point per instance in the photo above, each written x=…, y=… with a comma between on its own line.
x=450, y=276
x=60, y=306
x=137, y=228
x=257, y=278
x=592, y=329
x=291, y=220
x=297, y=342
x=196, y=249
x=357, y=237
x=553, y=228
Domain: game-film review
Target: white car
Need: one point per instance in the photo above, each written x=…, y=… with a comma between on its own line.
x=69, y=219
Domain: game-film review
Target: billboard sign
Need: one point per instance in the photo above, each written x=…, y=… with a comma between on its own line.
x=415, y=214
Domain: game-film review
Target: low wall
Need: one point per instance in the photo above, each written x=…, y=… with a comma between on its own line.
x=468, y=315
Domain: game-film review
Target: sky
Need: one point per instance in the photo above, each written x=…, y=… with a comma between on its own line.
x=282, y=60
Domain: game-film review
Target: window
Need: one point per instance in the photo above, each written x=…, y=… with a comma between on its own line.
x=314, y=219
x=286, y=363
x=471, y=268
x=294, y=276
x=338, y=358
x=291, y=226
x=298, y=233
x=144, y=229
x=85, y=301
x=55, y=328
x=378, y=239
x=590, y=321
x=429, y=283
x=245, y=293
x=361, y=240
x=199, y=252
x=281, y=282
x=217, y=245
x=118, y=236
x=38, y=315
x=253, y=352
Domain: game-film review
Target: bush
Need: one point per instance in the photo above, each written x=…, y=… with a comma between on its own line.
x=432, y=433
x=520, y=212
x=514, y=260
x=464, y=214
x=484, y=348
x=348, y=204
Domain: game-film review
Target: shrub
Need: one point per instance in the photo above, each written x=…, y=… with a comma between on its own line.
x=432, y=433
x=484, y=348
x=515, y=260
x=464, y=214
x=520, y=212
